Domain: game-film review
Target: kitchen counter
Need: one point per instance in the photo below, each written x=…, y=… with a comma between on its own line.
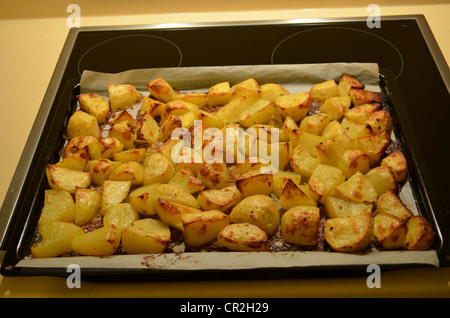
x=24, y=78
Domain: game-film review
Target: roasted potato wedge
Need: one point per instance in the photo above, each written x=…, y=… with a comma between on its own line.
x=58, y=206
x=82, y=124
x=420, y=234
x=146, y=236
x=95, y=105
x=243, y=237
x=300, y=225
x=122, y=96
x=60, y=178
x=221, y=200
x=103, y=241
x=203, y=227
x=389, y=231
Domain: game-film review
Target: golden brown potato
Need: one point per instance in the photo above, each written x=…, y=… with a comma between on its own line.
x=58, y=206
x=120, y=215
x=255, y=182
x=152, y=106
x=258, y=113
x=231, y=111
x=143, y=199
x=329, y=153
x=87, y=204
x=122, y=116
x=349, y=234
x=361, y=97
x=336, y=106
x=353, y=160
x=336, y=208
x=356, y=189
x=94, y=146
x=332, y=130
x=300, y=225
x=146, y=236
x=321, y=91
x=147, y=131
x=122, y=132
x=178, y=107
x=129, y=171
x=397, y=162
x=199, y=99
x=303, y=162
x=271, y=91
x=354, y=129
x=82, y=124
x=170, y=212
x=324, y=180
x=133, y=154
x=60, y=178
x=76, y=161
x=420, y=234
x=295, y=195
x=103, y=241
x=361, y=113
x=380, y=120
x=210, y=120
x=214, y=175
x=157, y=169
x=308, y=141
x=248, y=88
x=314, y=124
x=187, y=180
x=219, y=94
x=203, y=227
x=101, y=169
x=161, y=90
x=114, y=192
x=122, y=95
x=390, y=203
x=280, y=179
x=259, y=210
x=382, y=180
x=95, y=105
x=389, y=231
x=110, y=145
x=243, y=237
x=220, y=200
x=56, y=239
x=288, y=125
x=294, y=105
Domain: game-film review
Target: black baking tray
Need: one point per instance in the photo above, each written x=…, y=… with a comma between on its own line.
x=26, y=222
x=63, y=89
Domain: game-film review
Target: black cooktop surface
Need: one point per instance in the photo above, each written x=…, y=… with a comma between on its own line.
x=403, y=46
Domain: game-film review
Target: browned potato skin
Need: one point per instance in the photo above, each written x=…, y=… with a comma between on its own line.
x=420, y=234
x=243, y=237
x=301, y=225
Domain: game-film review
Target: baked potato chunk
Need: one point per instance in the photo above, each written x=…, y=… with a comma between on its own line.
x=146, y=236
x=314, y=124
x=101, y=169
x=120, y=215
x=258, y=113
x=243, y=237
x=324, y=180
x=114, y=192
x=82, y=124
x=143, y=199
x=294, y=105
x=389, y=231
x=129, y=171
x=124, y=116
x=187, y=180
x=210, y=120
x=255, y=182
x=295, y=195
x=122, y=96
x=152, y=106
x=420, y=234
x=133, y=154
x=147, y=131
x=300, y=225
x=380, y=120
x=170, y=212
x=360, y=97
x=280, y=179
x=397, y=162
x=219, y=94
x=56, y=239
x=161, y=90
x=390, y=203
x=214, y=175
x=94, y=147
x=259, y=210
x=221, y=200
x=302, y=162
x=349, y=234
x=76, y=161
x=336, y=107
x=356, y=189
x=60, y=178
x=88, y=203
x=271, y=91
x=58, y=206
x=110, y=145
x=382, y=179
x=122, y=132
x=336, y=208
x=95, y=105
x=103, y=241
x=157, y=169
x=353, y=160
x=308, y=141
x=361, y=113
x=321, y=91
x=203, y=227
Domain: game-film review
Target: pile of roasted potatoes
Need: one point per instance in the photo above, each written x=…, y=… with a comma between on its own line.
x=117, y=188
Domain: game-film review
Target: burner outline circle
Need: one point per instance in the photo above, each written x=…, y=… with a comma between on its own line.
x=342, y=28
x=126, y=36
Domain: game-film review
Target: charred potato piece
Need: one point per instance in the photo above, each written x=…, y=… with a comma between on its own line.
x=122, y=131
x=151, y=106
x=362, y=113
x=147, y=131
x=101, y=169
x=76, y=161
x=122, y=116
